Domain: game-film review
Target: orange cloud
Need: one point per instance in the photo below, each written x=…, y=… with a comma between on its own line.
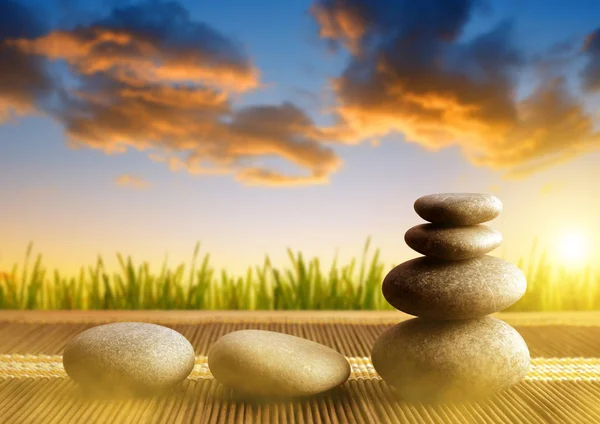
x=122, y=116
x=265, y=177
x=187, y=124
x=345, y=24
x=409, y=74
x=128, y=180
x=152, y=79
x=552, y=127
x=130, y=56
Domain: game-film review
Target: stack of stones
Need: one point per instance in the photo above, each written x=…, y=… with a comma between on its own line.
x=453, y=351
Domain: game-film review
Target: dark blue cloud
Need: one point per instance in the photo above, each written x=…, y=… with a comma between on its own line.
x=411, y=71
x=410, y=21
x=23, y=78
x=414, y=46
x=591, y=73
x=16, y=21
x=169, y=25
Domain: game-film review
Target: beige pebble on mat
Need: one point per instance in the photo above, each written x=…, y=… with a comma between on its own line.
x=129, y=357
x=271, y=364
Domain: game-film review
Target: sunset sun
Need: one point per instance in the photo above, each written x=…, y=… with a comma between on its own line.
x=572, y=247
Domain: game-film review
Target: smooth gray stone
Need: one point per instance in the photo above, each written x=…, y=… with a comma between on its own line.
x=446, y=361
x=458, y=208
x=128, y=358
x=441, y=289
x=453, y=243
x=262, y=363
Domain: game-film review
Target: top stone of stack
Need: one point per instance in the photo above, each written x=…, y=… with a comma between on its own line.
x=458, y=209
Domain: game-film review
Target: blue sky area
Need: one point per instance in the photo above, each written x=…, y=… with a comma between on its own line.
x=76, y=203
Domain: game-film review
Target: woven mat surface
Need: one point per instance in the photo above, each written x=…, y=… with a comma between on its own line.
x=563, y=385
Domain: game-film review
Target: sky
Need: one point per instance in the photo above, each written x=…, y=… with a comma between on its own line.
x=251, y=127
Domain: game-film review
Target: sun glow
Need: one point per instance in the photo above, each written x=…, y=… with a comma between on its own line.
x=573, y=247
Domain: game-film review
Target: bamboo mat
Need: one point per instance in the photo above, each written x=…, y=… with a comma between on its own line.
x=563, y=385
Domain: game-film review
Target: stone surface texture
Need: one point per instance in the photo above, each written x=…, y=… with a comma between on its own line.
x=458, y=208
x=441, y=289
x=440, y=361
x=453, y=243
x=129, y=357
x=270, y=364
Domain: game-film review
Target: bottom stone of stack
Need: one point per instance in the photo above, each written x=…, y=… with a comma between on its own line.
x=447, y=361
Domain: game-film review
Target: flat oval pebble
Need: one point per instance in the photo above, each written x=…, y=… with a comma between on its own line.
x=458, y=208
x=453, y=243
x=129, y=357
x=440, y=289
x=270, y=364
x=446, y=361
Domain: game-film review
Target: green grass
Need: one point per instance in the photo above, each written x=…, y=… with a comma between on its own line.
x=302, y=285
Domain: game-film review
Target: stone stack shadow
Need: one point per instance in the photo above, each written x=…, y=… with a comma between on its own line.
x=453, y=351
